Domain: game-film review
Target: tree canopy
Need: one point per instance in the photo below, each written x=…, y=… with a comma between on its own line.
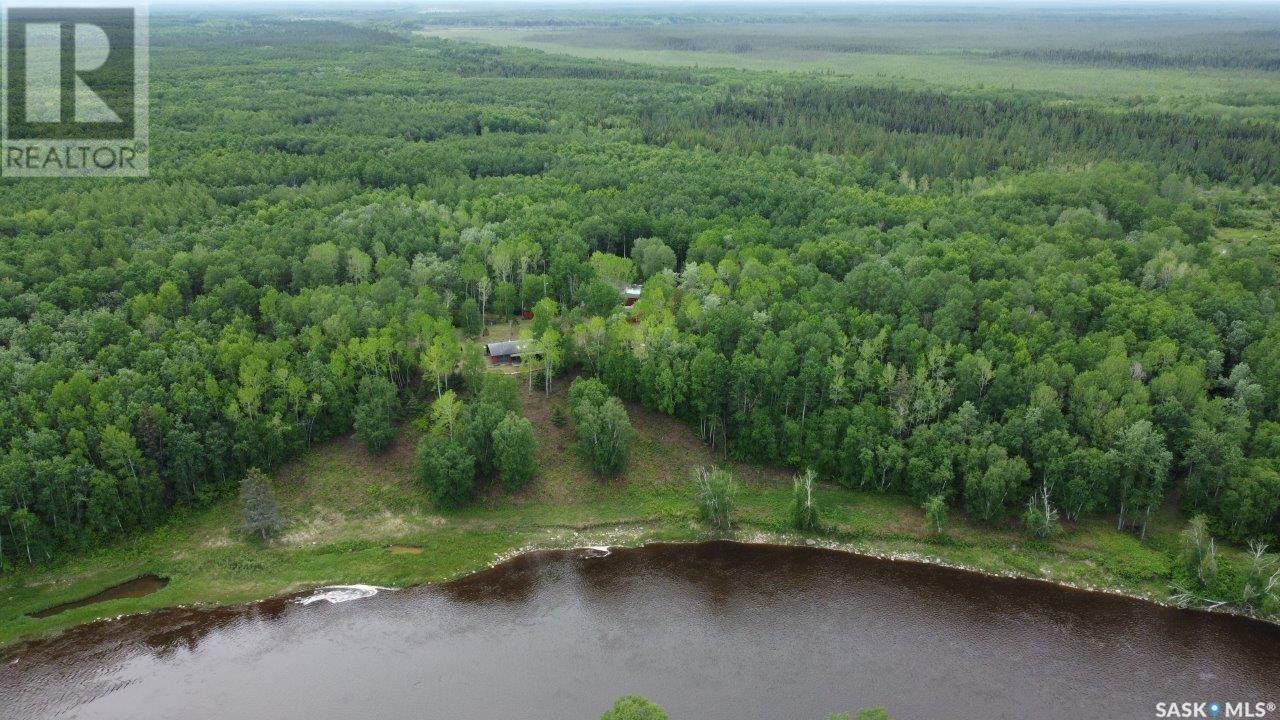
x=983, y=297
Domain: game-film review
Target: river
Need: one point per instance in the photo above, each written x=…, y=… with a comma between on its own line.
x=710, y=631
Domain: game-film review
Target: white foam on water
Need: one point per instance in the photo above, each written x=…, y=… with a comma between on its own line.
x=596, y=551
x=341, y=593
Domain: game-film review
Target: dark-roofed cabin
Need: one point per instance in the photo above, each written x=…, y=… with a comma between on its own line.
x=506, y=352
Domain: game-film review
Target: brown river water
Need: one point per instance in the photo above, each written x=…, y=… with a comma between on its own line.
x=711, y=631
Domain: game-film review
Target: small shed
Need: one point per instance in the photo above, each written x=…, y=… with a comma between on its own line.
x=630, y=294
x=506, y=352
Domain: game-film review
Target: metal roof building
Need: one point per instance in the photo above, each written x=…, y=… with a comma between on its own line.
x=507, y=351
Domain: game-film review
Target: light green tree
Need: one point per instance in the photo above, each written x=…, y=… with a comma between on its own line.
x=605, y=434
x=444, y=414
x=652, y=256
x=552, y=354
x=634, y=707
x=716, y=491
x=935, y=514
x=612, y=269
x=1141, y=466
x=359, y=265
x=440, y=359
x=804, y=508
x=513, y=449
x=446, y=470
x=471, y=366
x=1199, y=556
x=376, y=408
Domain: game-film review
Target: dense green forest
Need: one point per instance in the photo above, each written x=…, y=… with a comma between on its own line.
x=990, y=299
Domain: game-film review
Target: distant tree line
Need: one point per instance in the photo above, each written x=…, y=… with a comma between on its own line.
x=967, y=134
x=1235, y=59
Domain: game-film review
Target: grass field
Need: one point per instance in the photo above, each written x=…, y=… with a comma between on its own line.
x=346, y=509
x=953, y=68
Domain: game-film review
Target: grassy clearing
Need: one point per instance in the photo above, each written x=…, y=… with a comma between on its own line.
x=945, y=69
x=347, y=508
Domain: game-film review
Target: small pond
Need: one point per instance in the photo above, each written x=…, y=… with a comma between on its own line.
x=137, y=587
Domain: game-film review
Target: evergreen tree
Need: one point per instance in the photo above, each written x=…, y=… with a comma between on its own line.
x=259, y=509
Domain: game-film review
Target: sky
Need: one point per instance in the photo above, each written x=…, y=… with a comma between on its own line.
x=686, y=5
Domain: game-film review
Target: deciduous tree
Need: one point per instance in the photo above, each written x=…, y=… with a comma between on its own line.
x=513, y=446
x=375, y=413
x=446, y=470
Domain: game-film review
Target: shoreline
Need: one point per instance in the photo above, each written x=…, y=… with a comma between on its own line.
x=1113, y=591
x=647, y=537
x=765, y=538
x=341, y=533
